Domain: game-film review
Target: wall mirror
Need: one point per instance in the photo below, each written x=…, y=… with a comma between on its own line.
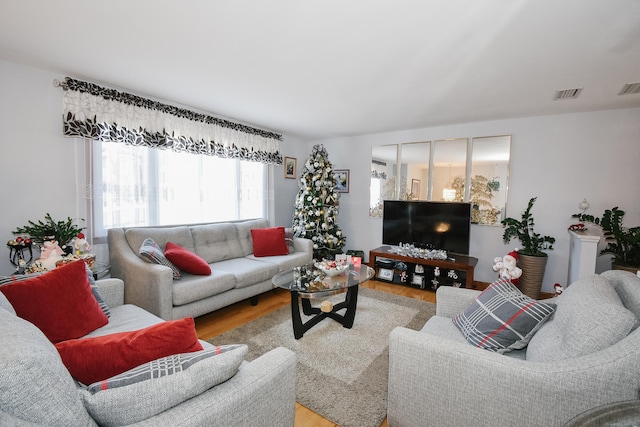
x=384, y=161
x=489, y=178
x=449, y=178
x=414, y=170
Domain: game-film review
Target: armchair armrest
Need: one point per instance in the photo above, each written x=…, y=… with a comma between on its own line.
x=429, y=375
x=452, y=301
x=146, y=285
x=262, y=393
x=112, y=291
x=300, y=244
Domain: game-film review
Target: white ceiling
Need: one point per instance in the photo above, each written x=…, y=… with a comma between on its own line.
x=319, y=69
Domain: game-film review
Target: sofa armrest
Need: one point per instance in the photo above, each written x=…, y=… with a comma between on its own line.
x=300, y=244
x=112, y=291
x=429, y=375
x=147, y=285
x=452, y=301
x=262, y=393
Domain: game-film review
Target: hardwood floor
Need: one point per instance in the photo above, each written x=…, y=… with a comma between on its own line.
x=218, y=322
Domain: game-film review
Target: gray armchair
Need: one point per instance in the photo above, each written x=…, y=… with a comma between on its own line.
x=437, y=379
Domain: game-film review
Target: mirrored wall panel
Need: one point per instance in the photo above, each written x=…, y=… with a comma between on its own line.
x=489, y=177
x=384, y=161
x=449, y=170
x=414, y=170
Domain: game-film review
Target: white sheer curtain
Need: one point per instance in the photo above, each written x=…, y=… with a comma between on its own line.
x=134, y=186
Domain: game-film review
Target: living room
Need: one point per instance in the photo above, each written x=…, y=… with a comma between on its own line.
x=350, y=90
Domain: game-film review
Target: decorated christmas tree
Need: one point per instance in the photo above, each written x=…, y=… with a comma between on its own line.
x=317, y=206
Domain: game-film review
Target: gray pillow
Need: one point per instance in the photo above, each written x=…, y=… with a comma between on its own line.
x=150, y=251
x=590, y=317
x=154, y=387
x=502, y=318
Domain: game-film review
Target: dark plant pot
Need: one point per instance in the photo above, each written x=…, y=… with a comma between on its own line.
x=616, y=266
x=533, y=268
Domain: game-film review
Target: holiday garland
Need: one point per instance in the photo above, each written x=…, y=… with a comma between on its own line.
x=317, y=206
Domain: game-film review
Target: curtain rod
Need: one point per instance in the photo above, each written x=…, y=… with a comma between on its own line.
x=58, y=83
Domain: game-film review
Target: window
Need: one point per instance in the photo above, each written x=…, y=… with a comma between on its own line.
x=136, y=186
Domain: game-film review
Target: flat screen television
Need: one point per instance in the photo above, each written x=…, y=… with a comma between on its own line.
x=433, y=225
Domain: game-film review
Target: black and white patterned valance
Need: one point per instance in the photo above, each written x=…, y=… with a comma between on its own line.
x=104, y=114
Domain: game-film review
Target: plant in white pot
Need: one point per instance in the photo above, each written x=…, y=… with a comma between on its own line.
x=531, y=256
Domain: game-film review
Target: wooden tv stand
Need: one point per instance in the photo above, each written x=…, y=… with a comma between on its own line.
x=459, y=262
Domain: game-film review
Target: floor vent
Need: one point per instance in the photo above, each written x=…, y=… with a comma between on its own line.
x=630, y=89
x=567, y=94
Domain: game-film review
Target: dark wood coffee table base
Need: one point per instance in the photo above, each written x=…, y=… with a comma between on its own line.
x=346, y=319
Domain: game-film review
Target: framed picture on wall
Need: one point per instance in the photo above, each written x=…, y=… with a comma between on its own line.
x=342, y=180
x=290, y=167
x=415, y=189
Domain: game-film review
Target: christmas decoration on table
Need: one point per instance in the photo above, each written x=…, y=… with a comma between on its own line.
x=507, y=268
x=558, y=289
x=61, y=231
x=81, y=245
x=50, y=254
x=317, y=206
x=406, y=249
x=18, y=249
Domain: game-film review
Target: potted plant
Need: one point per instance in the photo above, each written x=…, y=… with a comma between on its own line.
x=62, y=231
x=622, y=242
x=531, y=258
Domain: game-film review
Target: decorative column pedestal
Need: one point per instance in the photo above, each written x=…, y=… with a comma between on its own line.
x=583, y=251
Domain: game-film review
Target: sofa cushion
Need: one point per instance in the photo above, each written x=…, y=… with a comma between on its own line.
x=247, y=271
x=286, y=262
x=216, y=242
x=150, y=251
x=244, y=232
x=98, y=358
x=59, y=302
x=34, y=384
x=589, y=317
x=269, y=242
x=186, y=260
x=159, y=385
x=502, y=318
x=195, y=288
x=94, y=288
x=180, y=235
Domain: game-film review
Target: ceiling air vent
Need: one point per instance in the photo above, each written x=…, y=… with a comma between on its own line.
x=567, y=94
x=630, y=89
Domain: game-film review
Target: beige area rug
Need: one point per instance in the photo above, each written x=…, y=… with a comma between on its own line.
x=342, y=373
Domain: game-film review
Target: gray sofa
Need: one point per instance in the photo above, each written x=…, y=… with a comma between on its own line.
x=587, y=355
x=236, y=273
x=37, y=389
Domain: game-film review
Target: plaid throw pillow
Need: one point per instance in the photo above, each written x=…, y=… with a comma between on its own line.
x=151, y=252
x=288, y=238
x=156, y=386
x=502, y=318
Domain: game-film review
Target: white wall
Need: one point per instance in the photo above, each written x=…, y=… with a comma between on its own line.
x=560, y=159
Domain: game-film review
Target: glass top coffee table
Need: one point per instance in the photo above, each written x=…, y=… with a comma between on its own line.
x=308, y=283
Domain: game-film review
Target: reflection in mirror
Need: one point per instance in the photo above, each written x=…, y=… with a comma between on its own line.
x=489, y=177
x=449, y=170
x=384, y=159
x=414, y=170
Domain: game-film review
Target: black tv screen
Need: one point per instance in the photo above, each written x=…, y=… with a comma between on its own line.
x=433, y=225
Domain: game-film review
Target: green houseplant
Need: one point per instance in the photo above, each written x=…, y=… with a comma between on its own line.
x=63, y=231
x=622, y=242
x=531, y=258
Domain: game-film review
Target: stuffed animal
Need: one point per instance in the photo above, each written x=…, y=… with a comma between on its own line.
x=51, y=253
x=81, y=245
x=507, y=268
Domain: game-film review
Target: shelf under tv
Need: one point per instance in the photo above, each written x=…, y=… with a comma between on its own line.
x=459, y=262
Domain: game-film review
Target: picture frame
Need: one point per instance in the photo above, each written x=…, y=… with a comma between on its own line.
x=385, y=274
x=415, y=188
x=290, y=166
x=342, y=180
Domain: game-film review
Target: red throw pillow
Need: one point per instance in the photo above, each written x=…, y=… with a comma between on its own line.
x=269, y=241
x=185, y=260
x=98, y=358
x=60, y=303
